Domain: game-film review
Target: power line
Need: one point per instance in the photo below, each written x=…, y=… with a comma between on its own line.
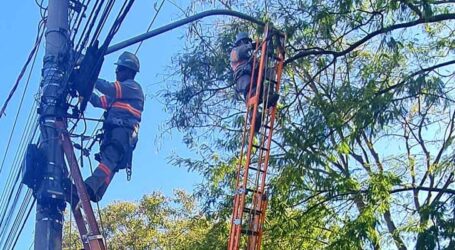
x=27, y=136
x=10, y=184
x=24, y=68
x=151, y=23
x=6, y=223
x=19, y=222
x=106, y=12
x=42, y=8
x=78, y=20
x=13, y=187
x=88, y=26
x=34, y=54
x=24, y=222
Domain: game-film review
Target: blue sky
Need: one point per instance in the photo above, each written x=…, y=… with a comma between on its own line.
x=151, y=170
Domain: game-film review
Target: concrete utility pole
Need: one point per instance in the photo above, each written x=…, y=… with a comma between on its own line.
x=50, y=197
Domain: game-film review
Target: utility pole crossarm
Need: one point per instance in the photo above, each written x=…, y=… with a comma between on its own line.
x=179, y=23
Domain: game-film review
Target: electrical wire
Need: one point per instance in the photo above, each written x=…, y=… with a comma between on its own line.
x=12, y=189
x=43, y=9
x=23, y=223
x=13, y=232
x=89, y=26
x=151, y=23
x=28, y=134
x=18, y=222
x=24, y=68
x=102, y=22
x=11, y=185
x=14, y=176
x=78, y=20
x=14, y=173
x=9, y=181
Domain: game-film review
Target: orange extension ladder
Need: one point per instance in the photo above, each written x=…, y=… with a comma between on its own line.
x=85, y=218
x=250, y=198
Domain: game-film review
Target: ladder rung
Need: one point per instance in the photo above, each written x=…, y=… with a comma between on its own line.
x=255, y=169
x=256, y=161
x=253, y=191
x=250, y=232
x=276, y=57
x=251, y=211
x=259, y=147
x=272, y=81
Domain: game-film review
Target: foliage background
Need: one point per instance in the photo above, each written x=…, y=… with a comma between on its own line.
x=362, y=154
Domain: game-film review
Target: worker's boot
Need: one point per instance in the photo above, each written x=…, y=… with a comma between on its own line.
x=95, y=188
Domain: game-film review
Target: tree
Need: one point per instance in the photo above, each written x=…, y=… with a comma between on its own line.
x=155, y=222
x=363, y=154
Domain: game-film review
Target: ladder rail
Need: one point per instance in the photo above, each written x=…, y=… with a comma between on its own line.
x=93, y=238
x=235, y=212
x=263, y=202
x=254, y=100
x=251, y=186
x=255, y=220
x=80, y=226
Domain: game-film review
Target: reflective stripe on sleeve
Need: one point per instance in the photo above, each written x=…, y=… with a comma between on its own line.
x=118, y=89
x=103, y=100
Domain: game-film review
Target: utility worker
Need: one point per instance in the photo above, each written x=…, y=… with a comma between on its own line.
x=123, y=101
x=241, y=64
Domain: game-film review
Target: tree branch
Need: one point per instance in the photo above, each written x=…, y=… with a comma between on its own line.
x=432, y=19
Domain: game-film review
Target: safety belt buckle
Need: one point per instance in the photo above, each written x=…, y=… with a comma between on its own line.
x=128, y=173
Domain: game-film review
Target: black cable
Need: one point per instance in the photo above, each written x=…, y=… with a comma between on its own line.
x=78, y=21
x=11, y=186
x=78, y=17
x=20, y=215
x=84, y=30
x=24, y=68
x=23, y=224
x=11, y=176
x=13, y=129
x=43, y=9
x=5, y=224
x=33, y=56
x=102, y=22
x=79, y=14
x=89, y=25
x=117, y=23
x=19, y=221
